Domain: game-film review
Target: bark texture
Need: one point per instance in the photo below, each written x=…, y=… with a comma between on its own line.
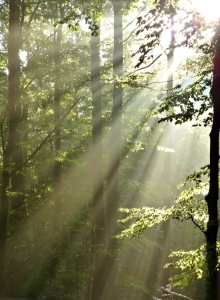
x=212, y=198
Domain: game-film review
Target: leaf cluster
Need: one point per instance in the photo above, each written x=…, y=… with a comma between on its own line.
x=187, y=104
x=90, y=13
x=190, y=205
x=154, y=25
x=192, y=264
x=145, y=217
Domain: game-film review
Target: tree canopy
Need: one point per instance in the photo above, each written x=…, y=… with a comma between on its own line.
x=109, y=183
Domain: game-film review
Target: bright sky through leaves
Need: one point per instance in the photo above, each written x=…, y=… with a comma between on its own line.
x=210, y=9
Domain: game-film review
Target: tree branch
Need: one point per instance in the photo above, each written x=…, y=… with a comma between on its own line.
x=147, y=65
x=176, y=294
x=197, y=225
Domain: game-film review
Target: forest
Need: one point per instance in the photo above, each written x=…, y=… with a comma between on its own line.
x=109, y=149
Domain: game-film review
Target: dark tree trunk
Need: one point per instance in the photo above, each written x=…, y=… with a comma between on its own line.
x=25, y=131
x=212, y=198
x=97, y=175
x=12, y=154
x=212, y=201
x=57, y=144
x=212, y=230
x=112, y=197
x=3, y=219
x=57, y=107
x=14, y=104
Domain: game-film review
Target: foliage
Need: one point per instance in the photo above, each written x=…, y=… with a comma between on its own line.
x=188, y=205
x=145, y=217
x=192, y=263
x=49, y=253
x=90, y=12
x=189, y=103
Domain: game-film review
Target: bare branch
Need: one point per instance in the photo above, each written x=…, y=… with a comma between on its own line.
x=176, y=294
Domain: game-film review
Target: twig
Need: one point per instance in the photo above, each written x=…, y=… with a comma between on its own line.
x=148, y=65
x=176, y=294
x=197, y=225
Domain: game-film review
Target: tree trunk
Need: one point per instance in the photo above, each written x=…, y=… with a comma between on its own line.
x=14, y=104
x=112, y=197
x=57, y=163
x=212, y=198
x=57, y=107
x=97, y=176
x=166, y=225
x=212, y=230
x=3, y=219
x=12, y=154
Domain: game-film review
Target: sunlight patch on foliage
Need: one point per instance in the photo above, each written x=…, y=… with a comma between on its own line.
x=146, y=217
x=188, y=103
x=192, y=263
x=190, y=205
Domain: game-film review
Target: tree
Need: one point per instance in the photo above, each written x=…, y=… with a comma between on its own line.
x=194, y=91
x=212, y=197
x=166, y=225
x=57, y=107
x=97, y=171
x=12, y=151
x=112, y=194
x=83, y=145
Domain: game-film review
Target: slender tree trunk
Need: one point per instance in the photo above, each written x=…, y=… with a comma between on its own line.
x=25, y=124
x=57, y=163
x=112, y=197
x=57, y=108
x=3, y=219
x=98, y=204
x=166, y=225
x=14, y=104
x=170, y=59
x=12, y=154
x=212, y=198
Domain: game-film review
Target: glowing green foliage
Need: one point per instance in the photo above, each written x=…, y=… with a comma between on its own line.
x=187, y=104
x=91, y=13
x=190, y=204
x=192, y=264
x=146, y=217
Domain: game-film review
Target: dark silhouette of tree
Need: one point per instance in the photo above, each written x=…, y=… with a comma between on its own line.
x=12, y=150
x=212, y=197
